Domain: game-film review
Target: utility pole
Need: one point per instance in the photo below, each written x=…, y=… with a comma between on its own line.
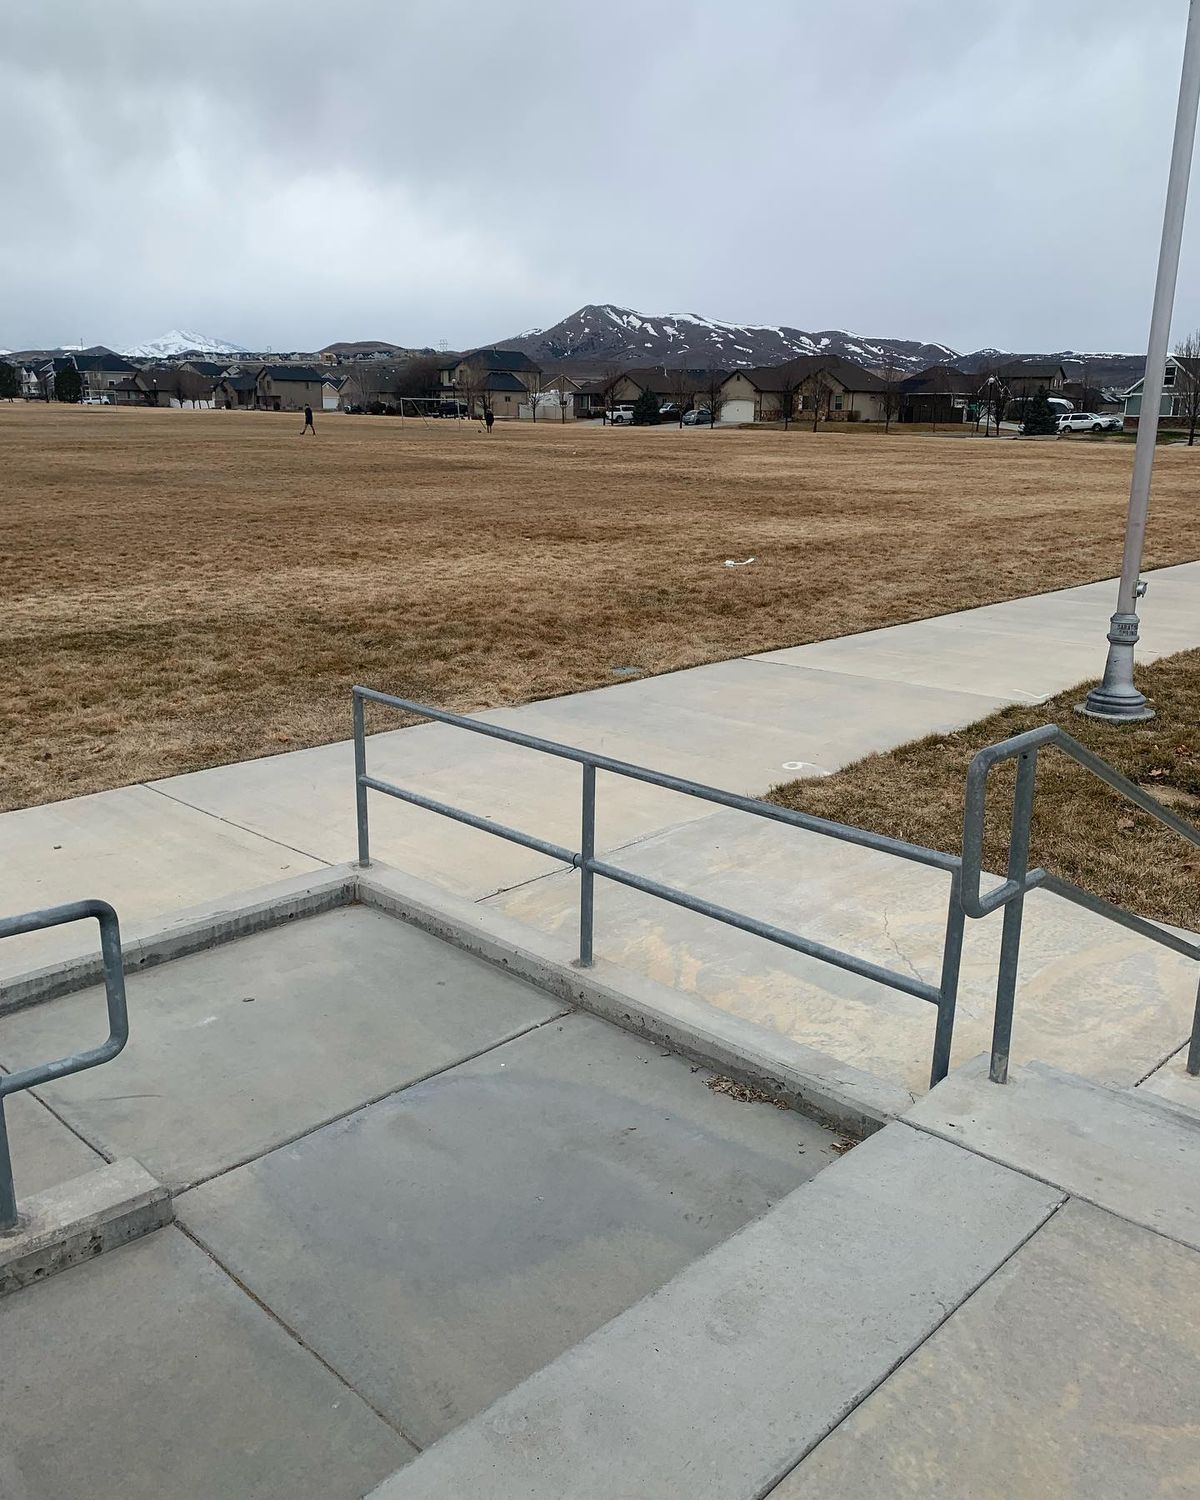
x=1116, y=698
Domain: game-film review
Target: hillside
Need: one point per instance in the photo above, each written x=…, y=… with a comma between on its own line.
x=602, y=333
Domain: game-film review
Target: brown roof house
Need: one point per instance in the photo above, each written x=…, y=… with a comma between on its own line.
x=838, y=390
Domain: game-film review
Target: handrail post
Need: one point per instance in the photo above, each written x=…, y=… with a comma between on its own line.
x=360, y=791
x=1010, y=937
x=943, y=1036
x=587, y=880
x=1193, y=1057
x=8, y=1193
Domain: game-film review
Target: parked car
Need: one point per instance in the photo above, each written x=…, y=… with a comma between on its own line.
x=699, y=416
x=669, y=411
x=1089, y=421
x=621, y=416
x=101, y=400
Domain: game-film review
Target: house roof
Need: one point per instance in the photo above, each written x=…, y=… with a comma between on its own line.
x=849, y=376
x=206, y=367
x=241, y=382
x=940, y=380
x=496, y=359
x=106, y=360
x=305, y=373
x=502, y=380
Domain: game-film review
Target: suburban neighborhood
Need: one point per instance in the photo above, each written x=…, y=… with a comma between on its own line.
x=379, y=378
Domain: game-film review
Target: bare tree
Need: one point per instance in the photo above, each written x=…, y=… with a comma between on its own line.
x=711, y=387
x=889, y=397
x=787, y=394
x=471, y=384
x=1187, y=382
x=611, y=378
x=532, y=380
x=996, y=396
x=816, y=392
x=418, y=378
x=682, y=384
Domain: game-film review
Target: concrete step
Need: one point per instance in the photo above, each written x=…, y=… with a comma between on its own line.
x=1174, y=1086
x=718, y=1384
x=1121, y=1149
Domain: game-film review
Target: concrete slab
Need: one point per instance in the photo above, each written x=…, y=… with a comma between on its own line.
x=818, y=1085
x=309, y=795
x=1139, y=997
x=44, y=1151
x=147, y=855
x=1072, y=1373
x=80, y=1219
x=442, y=1245
x=147, y=1373
x=1125, y=1152
x=1174, y=1085
x=717, y=1384
x=345, y=1007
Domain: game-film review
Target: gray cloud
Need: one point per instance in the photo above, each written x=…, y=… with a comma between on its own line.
x=288, y=174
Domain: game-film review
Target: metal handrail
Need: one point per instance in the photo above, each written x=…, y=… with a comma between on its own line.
x=1010, y=894
x=118, y=1024
x=943, y=995
x=966, y=897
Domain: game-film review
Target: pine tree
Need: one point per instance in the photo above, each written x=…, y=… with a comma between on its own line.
x=1040, y=419
x=68, y=384
x=645, y=409
x=10, y=381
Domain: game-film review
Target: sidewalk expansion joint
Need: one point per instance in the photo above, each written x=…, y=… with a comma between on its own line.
x=242, y=827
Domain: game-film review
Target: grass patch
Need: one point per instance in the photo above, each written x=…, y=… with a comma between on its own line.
x=1082, y=831
x=184, y=588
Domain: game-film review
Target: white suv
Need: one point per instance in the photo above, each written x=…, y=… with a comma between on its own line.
x=621, y=416
x=1088, y=421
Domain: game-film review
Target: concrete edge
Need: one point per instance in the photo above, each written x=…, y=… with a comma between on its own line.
x=190, y=931
x=813, y=1083
x=78, y=1220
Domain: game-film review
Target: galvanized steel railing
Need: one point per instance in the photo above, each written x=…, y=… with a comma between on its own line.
x=965, y=895
x=118, y=1024
x=942, y=995
x=1019, y=878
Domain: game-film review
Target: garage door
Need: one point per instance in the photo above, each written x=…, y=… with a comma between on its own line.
x=737, y=411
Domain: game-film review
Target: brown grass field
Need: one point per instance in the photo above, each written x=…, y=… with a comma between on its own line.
x=1081, y=830
x=183, y=588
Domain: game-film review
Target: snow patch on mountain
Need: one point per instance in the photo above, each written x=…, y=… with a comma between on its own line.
x=182, y=341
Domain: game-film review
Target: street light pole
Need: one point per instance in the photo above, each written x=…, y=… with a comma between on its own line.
x=1116, y=698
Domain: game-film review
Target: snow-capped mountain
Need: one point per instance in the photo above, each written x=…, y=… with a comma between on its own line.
x=601, y=333
x=182, y=341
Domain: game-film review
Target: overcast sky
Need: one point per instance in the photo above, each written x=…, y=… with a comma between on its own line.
x=287, y=174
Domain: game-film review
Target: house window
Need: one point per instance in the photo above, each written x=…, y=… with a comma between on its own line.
x=1169, y=376
x=837, y=403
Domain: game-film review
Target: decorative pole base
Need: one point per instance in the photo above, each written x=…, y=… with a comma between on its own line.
x=1116, y=699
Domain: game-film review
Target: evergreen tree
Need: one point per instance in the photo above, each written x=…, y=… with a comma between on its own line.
x=1040, y=418
x=10, y=381
x=645, y=409
x=68, y=385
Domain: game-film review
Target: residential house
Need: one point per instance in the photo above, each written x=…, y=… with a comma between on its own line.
x=495, y=378
x=678, y=385
x=845, y=391
x=210, y=369
x=1181, y=377
x=289, y=388
x=173, y=385
x=101, y=369
x=236, y=392
x=1024, y=380
x=331, y=392
x=938, y=394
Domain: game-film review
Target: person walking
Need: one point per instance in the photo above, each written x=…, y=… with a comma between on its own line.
x=489, y=416
x=308, y=422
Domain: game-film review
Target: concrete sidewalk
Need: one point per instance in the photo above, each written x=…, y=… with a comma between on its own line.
x=744, y=724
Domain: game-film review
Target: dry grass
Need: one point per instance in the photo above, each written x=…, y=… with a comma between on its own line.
x=1081, y=831
x=184, y=588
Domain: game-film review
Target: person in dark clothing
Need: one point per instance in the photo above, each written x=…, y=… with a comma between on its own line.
x=308, y=422
x=489, y=416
